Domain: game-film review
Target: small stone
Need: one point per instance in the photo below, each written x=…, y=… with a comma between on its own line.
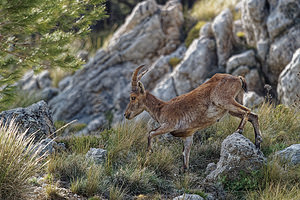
x=97, y=155
x=188, y=197
x=290, y=154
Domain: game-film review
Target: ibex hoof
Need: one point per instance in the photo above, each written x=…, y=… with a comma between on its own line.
x=240, y=131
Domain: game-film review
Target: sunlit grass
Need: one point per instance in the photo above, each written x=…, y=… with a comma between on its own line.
x=18, y=162
x=208, y=9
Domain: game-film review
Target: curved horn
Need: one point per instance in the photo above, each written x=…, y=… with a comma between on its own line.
x=134, y=78
x=142, y=74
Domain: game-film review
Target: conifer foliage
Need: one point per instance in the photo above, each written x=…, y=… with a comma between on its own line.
x=37, y=34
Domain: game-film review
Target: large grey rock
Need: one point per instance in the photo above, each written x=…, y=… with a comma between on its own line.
x=281, y=52
x=222, y=29
x=97, y=155
x=251, y=99
x=102, y=87
x=237, y=154
x=288, y=88
x=198, y=64
x=273, y=27
x=282, y=16
x=31, y=81
x=246, y=58
x=36, y=118
x=188, y=197
x=290, y=154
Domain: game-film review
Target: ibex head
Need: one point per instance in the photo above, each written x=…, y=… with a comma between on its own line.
x=137, y=95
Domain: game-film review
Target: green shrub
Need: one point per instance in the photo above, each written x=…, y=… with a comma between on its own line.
x=81, y=144
x=194, y=33
x=116, y=193
x=135, y=180
x=68, y=167
x=174, y=61
x=18, y=162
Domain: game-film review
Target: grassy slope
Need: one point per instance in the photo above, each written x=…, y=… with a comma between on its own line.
x=129, y=171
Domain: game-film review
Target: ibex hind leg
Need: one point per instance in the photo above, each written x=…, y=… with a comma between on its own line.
x=188, y=142
x=253, y=118
x=244, y=112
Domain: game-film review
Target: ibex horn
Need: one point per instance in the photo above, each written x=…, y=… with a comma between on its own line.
x=134, y=78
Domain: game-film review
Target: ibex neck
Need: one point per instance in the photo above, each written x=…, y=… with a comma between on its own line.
x=153, y=106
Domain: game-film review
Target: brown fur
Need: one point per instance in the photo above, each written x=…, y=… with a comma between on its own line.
x=182, y=116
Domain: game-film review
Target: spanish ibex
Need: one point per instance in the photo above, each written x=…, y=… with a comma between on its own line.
x=183, y=115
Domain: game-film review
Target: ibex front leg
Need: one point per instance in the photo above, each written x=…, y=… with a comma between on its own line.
x=164, y=128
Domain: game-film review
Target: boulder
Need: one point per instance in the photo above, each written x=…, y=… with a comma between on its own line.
x=188, y=197
x=290, y=155
x=251, y=99
x=36, y=119
x=246, y=58
x=281, y=52
x=222, y=29
x=48, y=93
x=237, y=154
x=273, y=27
x=102, y=87
x=198, y=64
x=282, y=16
x=31, y=81
x=97, y=155
x=288, y=88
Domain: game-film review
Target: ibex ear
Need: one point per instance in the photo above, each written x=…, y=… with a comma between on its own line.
x=141, y=87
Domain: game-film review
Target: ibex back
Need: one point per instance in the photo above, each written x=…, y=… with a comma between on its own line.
x=182, y=116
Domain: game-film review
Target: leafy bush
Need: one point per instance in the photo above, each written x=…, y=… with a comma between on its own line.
x=18, y=162
x=194, y=33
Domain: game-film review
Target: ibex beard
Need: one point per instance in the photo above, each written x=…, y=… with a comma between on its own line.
x=183, y=115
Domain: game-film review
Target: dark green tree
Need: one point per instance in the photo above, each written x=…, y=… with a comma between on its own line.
x=37, y=34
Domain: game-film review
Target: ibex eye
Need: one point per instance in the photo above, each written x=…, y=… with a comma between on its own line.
x=133, y=98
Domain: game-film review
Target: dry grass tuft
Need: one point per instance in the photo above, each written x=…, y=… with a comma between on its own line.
x=18, y=162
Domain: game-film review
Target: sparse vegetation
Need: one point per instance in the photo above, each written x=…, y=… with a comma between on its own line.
x=20, y=99
x=208, y=9
x=174, y=61
x=18, y=162
x=130, y=171
x=194, y=33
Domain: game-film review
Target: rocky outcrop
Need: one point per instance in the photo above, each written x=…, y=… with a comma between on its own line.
x=245, y=64
x=31, y=81
x=222, y=29
x=237, y=154
x=290, y=155
x=288, y=88
x=102, y=87
x=273, y=27
x=35, y=119
x=198, y=64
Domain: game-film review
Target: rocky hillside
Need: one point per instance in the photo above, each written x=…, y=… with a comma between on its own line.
x=258, y=46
